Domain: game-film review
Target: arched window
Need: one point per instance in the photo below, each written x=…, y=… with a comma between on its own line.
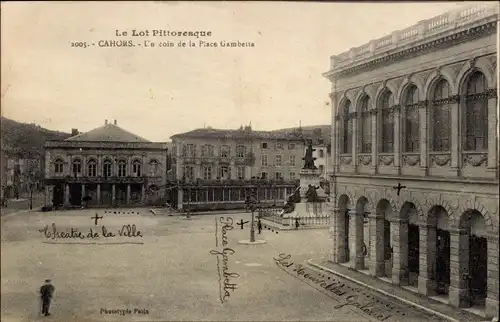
x=411, y=131
x=77, y=166
x=122, y=168
x=476, y=114
x=92, y=168
x=365, y=126
x=107, y=168
x=387, y=122
x=153, y=168
x=207, y=172
x=346, y=134
x=58, y=166
x=440, y=129
x=137, y=168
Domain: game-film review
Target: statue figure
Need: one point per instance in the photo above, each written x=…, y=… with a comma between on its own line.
x=311, y=194
x=291, y=201
x=308, y=158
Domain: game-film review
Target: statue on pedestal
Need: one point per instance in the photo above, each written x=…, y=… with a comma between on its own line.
x=311, y=194
x=308, y=158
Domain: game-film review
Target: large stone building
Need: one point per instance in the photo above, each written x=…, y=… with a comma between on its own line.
x=108, y=164
x=224, y=164
x=418, y=108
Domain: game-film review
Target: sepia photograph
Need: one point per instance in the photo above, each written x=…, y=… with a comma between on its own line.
x=249, y=161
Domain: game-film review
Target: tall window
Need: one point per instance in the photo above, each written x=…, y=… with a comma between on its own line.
x=189, y=150
x=58, y=166
x=278, y=161
x=136, y=168
x=153, y=168
x=122, y=168
x=207, y=151
x=240, y=151
x=92, y=168
x=224, y=172
x=291, y=146
x=107, y=168
x=365, y=126
x=321, y=153
x=188, y=172
x=225, y=151
x=346, y=134
x=263, y=175
x=440, y=117
x=476, y=114
x=292, y=175
x=207, y=172
x=387, y=120
x=411, y=131
x=77, y=166
x=278, y=175
x=279, y=146
x=264, y=160
x=292, y=160
x=321, y=168
x=241, y=172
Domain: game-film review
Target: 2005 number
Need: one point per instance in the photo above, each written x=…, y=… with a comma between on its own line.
x=80, y=44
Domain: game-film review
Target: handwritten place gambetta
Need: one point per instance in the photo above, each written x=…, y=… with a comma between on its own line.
x=130, y=231
x=225, y=276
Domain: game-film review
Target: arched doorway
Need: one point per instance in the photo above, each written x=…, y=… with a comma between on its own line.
x=473, y=222
x=380, y=243
x=361, y=234
x=442, y=267
x=343, y=244
x=406, y=246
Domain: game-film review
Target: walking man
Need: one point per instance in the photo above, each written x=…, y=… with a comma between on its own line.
x=46, y=292
x=296, y=223
x=259, y=226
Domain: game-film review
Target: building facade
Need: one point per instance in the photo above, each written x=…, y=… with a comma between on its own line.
x=208, y=162
x=415, y=158
x=108, y=165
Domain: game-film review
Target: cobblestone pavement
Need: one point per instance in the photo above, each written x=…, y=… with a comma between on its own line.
x=175, y=272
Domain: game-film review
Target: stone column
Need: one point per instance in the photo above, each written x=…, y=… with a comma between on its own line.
x=492, y=136
x=180, y=195
x=400, y=251
x=83, y=192
x=113, y=194
x=128, y=193
x=397, y=140
x=333, y=135
x=455, y=142
x=492, y=293
x=143, y=194
x=98, y=194
x=357, y=260
x=66, y=195
x=377, y=265
x=424, y=146
x=355, y=136
x=427, y=260
x=374, y=141
x=459, y=268
x=48, y=198
x=339, y=236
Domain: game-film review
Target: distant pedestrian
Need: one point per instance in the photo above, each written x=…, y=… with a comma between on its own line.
x=46, y=293
x=296, y=223
x=259, y=226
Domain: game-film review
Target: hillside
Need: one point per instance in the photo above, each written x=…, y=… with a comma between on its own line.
x=26, y=140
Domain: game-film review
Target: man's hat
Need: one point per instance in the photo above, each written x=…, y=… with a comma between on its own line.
x=47, y=281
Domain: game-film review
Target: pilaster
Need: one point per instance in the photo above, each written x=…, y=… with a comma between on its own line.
x=455, y=142
x=374, y=142
x=128, y=193
x=492, y=298
x=400, y=251
x=492, y=135
x=83, y=192
x=180, y=195
x=459, y=268
x=354, y=140
x=357, y=259
x=98, y=196
x=339, y=236
x=66, y=195
x=113, y=194
x=143, y=194
x=424, y=138
x=377, y=265
x=427, y=260
x=397, y=140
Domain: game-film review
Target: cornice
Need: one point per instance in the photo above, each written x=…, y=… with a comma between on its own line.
x=417, y=50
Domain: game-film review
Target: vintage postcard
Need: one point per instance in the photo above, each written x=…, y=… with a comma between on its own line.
x=249, y=161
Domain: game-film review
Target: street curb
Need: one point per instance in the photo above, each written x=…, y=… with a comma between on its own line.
x=382, y=291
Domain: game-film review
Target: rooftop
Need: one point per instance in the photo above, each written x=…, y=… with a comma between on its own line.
x=462, y=18
x=243, y=134
x=108, y=133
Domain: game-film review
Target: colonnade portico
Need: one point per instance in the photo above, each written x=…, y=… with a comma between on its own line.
x=452, y=260
x=98, y=193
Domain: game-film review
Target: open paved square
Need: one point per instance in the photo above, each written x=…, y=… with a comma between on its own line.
x=174, y=271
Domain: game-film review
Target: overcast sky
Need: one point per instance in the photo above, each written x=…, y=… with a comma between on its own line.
x=158, y=92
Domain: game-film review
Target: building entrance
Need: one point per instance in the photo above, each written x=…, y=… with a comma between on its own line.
x=478, y=272
x=442, y=261
x=75, y=192
x=413, y=254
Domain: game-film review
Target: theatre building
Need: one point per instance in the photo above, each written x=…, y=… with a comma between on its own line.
x=415, y=158
x=108, y=164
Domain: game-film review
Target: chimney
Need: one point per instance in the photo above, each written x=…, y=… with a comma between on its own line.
x=115, y=122
x=105, y=122
x=74, y=132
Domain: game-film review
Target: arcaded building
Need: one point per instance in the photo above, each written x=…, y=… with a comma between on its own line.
x=108, y=165
x=415, y=158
